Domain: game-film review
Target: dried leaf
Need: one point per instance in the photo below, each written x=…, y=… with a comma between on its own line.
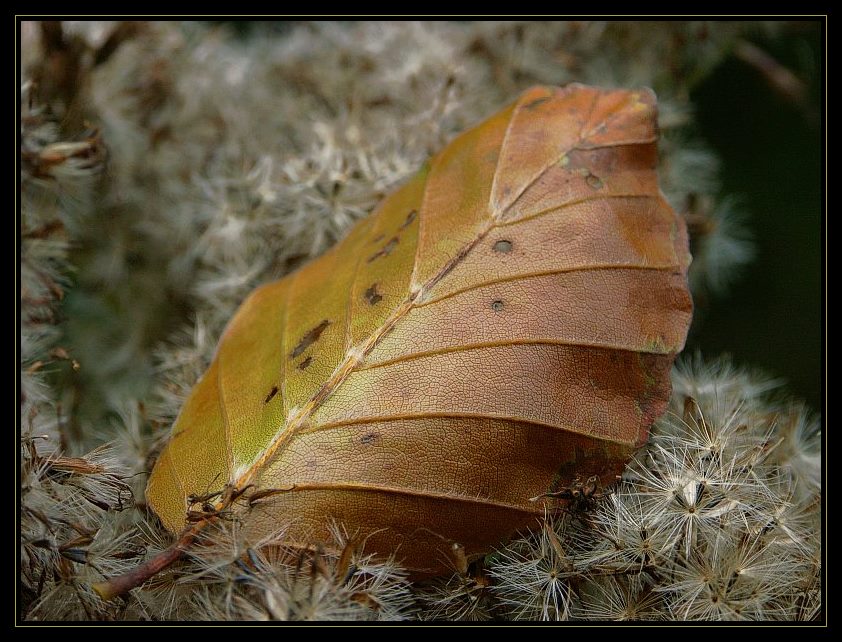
x=501, y=325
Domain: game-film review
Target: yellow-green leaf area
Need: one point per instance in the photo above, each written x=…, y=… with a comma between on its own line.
x=251, y=361
x=317, y=318
x=385, y=266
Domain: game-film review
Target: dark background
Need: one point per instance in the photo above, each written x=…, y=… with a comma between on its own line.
x=771, y=154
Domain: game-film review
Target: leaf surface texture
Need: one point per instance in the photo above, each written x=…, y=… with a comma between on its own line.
x=501, y=324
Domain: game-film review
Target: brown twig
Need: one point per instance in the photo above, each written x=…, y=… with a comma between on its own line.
x=116, y=586
x=781, y=80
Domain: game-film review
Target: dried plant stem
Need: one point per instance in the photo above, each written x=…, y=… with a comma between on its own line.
x=121, y=584
x=779, y=78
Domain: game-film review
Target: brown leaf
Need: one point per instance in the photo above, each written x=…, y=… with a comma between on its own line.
x=500, y=326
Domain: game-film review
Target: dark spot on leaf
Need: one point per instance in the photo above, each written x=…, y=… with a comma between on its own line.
x=365, y=440
x=305, y=364
x=271, y=394
x=409, y=218
x=309, y=339
x=372, y=295
x=386, y=250
x=538, y=101
x=497, y=305
x=594, y=181
x=503, y=246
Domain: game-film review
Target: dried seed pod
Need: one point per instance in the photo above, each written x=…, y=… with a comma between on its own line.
x=500, y=326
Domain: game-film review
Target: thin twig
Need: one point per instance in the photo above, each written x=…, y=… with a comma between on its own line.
x=116, y=586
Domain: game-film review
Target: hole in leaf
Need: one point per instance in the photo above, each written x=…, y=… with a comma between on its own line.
x=271, y=394
x=372, y=295
x=503, y=246
x=386, y=250
x=309, y=339
x=409, y=218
